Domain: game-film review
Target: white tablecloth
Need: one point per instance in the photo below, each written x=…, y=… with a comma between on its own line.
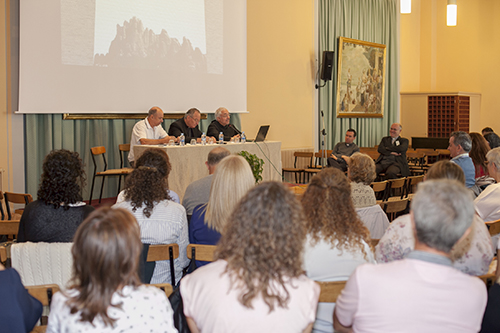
x=188, y=162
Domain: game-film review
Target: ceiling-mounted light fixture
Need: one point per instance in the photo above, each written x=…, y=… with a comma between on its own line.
x=405, y=6
x=451, y=13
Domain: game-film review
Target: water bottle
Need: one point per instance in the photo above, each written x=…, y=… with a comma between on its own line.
x=182, y=140
x=203, y=139
x=221, y=138
x=243, y=137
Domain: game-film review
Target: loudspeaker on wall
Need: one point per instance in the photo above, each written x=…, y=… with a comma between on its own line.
x=326, y=66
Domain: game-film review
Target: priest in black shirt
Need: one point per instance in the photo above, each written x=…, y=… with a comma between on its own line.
x=187, y=125
x=221, y=124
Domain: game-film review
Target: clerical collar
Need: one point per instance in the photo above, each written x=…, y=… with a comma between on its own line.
x=348, y=144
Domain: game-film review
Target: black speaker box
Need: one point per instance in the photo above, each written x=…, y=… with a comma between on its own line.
x=326, y=66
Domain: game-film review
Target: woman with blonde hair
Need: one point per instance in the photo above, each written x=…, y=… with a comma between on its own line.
x=361, y=173
x=337, y=240
x=232, y=180
x=257, y=284
x=106, y=294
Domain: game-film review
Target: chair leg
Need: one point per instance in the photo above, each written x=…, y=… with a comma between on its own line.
x=91, y=191
x=119, y=184
x=102, y=187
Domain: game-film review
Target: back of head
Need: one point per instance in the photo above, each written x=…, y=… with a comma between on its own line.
x=263, y=242
x=442, y=210
x=463, y=139
x=62, y=176
x=493, y=156
x=148, y=183
x=231, y=181
x=330, y=212
x=493, y=140
x=479, y=149
x=153, y=110
x=446, y=170
x=361, y=169
x=216, y=155
x=106, y=251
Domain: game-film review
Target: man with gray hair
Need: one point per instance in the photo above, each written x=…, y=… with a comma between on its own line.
x=423, y=292
x=459, y=147
x=187, y=125
x=221, y=124
x=149, y=132
x=198, y=192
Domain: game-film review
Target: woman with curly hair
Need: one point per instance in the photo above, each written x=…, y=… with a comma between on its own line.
x=162, y=221
x=361, y=173
x=337, y=241
x=478, y=153
x=257, y=284
x=106, y=294
x=59, y=210
x=232, y=180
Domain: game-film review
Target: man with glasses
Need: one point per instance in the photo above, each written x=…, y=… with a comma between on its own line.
x=187, y=125
x=221, y=124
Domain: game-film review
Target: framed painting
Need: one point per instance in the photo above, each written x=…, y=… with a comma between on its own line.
x=361, y=79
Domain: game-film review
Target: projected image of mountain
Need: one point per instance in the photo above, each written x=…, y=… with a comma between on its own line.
x=136, y=46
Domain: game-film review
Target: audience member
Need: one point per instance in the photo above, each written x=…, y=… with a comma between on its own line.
x=232, y=180
x=487, y=130
x=19, y=311
x=187, y=125
x=59, y=210
x=491, y=324
x=258, y=283
x=493, y=140
x=392, y=159
x=106, y=294
x=478, y=153
x=472, y=255
x=221, y=124
x=342, y=150
x=488, y=202
x=161, y=220
x=197, y=192
x=361, y=173
x=422, y=293
x=460, y=146
x=337, y=241
x=149, y=132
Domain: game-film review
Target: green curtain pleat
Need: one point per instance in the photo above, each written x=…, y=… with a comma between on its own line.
x=368, y=20
x=45, y=132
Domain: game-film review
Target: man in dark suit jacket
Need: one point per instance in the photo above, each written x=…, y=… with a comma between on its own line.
x=187, y=125
x=392, y=159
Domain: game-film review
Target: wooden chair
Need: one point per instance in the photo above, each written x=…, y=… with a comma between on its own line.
x=201, y=252
x=16, y=198
x=95, y=151
x=124, y=149
x=391, y=208
x=298, y=190
x=416, y=160
x=161, y=252
x=330, y=291
x=3, y=254
x=299, y=171
x=165, y=287
x=44, y=294
x=431, y=156
x=317, y=166
x=411, y=185
x=9, y=228
x=493, y=227
x=488, y=279
x=396, y=186
x=373, y=154
x=380, y=189
x=444, y=154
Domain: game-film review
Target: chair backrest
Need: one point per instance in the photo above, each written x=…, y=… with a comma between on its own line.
x=3, y=254
x=16, y=198
x=2, y=212
x=43, y=293
x=123, y=149
x=412, y=182
x=95, y=151
x=391, y=208
x=9, y=227
x=330, y=291
x=398, y=184
x=298, y=189
x=201, y=252
x=161, y=252
x=493, y=227
x=165, y=287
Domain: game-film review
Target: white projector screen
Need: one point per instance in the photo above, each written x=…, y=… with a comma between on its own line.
x=124, y=56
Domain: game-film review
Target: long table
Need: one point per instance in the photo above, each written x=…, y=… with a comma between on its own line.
x=188, y=162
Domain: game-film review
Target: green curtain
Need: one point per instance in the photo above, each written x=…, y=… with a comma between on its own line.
x=45, y=132
x=373, y=21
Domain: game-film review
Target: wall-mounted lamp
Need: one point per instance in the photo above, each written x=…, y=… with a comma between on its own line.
x=405, y=6
x=451, y=13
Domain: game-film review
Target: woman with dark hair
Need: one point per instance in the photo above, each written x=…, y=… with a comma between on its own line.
x=337, y=240
x=59, y=210
x=478, y=153
x=257, y=284
x=161, y=220
x=106, y=294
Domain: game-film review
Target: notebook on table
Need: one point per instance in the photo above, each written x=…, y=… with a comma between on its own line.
x=261, y=135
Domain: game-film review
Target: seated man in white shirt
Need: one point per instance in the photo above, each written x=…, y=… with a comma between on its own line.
x=423, y=292
x=149, y=132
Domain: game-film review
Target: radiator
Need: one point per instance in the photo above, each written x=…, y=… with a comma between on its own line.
x=287, y=160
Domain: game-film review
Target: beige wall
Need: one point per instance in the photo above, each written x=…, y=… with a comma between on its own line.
x=5, y=124
x=280, y=51
x=437, y=58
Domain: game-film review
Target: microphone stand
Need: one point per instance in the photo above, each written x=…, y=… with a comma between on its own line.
x=323, y=134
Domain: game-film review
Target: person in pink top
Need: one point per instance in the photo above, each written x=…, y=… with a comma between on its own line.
x=423, y=292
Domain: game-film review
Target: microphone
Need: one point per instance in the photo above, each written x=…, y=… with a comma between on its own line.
x=234, y=127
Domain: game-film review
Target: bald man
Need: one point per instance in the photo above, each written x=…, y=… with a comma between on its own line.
x=392, y=158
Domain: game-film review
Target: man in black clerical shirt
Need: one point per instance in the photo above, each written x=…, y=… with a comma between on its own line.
x=221, y=124
x=187, y=125
x=343, y=150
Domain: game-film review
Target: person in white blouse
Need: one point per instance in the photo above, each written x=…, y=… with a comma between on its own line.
x=162, y=221
x=106, y=294
x=488, y=202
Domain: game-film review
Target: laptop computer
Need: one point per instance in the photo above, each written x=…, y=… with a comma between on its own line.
x=261, y=135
